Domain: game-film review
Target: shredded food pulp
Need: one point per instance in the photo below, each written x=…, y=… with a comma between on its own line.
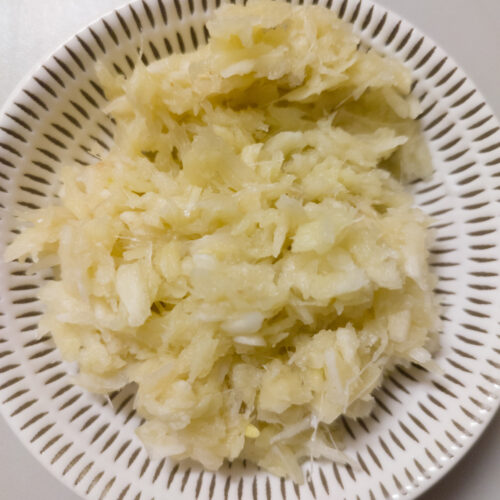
x=247, y=253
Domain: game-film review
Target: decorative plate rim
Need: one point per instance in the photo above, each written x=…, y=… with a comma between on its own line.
x=425, y=483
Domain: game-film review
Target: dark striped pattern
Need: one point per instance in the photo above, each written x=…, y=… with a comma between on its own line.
x=421, y=424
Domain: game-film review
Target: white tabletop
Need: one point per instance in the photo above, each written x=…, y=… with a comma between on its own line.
x=469, y=30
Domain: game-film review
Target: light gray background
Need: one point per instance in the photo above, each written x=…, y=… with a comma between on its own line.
x=469, y=30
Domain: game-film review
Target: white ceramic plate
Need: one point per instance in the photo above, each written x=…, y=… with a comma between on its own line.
x=422, y=423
